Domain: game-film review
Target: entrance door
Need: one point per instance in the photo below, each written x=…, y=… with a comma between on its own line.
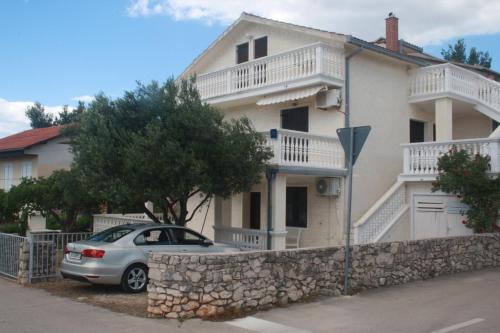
x=296, y=207
x=417, y=131
x=255, y=210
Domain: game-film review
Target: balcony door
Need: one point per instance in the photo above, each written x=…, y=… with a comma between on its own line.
x=295, y=148
x=296, y=207
x=417, y=131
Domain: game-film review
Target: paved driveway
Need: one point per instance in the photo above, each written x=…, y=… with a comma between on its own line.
x=468, y=302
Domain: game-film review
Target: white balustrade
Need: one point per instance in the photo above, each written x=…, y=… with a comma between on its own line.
x=300, y=63
x=245, y=239
x=421, y=158
x=294, y=148
x=437, y=80
x=378, y=219
x=106, y=221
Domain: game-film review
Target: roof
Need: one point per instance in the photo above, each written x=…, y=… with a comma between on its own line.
x=29, y=138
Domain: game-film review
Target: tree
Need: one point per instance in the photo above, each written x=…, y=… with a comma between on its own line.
x=458, y=53
x=466, y=176
x=160, y=143
x=39, y=118
x=62, y=196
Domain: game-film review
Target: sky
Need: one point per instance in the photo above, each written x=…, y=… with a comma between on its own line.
x=60, y=51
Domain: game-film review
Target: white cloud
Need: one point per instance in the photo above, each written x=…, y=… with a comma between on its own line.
x=422, y=22
x=13, y=118
x=83, y=98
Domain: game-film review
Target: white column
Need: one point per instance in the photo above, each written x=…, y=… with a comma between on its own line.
x=278, y=197
x=149, y=206
x=217, y=217
x=237, y=210
x=444, y=119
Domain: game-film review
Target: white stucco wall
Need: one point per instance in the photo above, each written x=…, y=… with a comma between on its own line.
x=379, y=98
x=471, y=126
x=53, y=155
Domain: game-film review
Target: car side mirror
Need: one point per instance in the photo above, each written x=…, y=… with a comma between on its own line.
x=207, y=243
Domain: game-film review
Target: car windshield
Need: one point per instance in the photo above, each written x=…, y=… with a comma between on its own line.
x=111, y=235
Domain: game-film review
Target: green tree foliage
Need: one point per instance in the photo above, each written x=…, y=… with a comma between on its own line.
x=39, y=118
x=467, y=177
x=458, y=53
x=160, y=143
x=62, y=196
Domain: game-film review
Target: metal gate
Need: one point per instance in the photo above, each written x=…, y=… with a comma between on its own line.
x=10, y=247
x=47, y=251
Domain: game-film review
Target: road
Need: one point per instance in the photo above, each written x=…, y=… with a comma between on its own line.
x=467, y=302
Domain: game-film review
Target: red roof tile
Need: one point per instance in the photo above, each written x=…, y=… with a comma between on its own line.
x=29, y=138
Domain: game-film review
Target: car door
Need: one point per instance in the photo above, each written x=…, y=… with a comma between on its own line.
x=153, y=240
x=186, y=240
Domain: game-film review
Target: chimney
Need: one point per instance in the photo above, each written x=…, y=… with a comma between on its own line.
x=391, y=33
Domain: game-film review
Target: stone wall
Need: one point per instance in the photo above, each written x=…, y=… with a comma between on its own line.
x=208, y=285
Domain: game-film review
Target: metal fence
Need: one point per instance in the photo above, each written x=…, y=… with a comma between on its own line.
x=10, y=247
x=47, y=251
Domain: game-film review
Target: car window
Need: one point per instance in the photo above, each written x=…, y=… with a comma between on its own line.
x=186, y=237
x=111, y=235
x=153, y=237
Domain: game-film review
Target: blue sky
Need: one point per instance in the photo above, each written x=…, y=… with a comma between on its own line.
x=56, y=51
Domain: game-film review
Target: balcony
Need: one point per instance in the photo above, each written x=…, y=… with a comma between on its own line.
x=452, y=81
x=420, y=159
x=313, y=64
x=304, y=150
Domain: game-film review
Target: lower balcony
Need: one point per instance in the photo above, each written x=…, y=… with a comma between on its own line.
x=294, y=150
x=420, y=159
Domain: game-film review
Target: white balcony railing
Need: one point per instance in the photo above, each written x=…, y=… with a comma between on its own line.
x=434, y=81
x=245, y=239
x=106, y=221
x=300, y=63
x=420, y=159
x=293, y=148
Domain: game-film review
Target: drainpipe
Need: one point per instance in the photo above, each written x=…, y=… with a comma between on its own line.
x=347, y=82
x=270, y=176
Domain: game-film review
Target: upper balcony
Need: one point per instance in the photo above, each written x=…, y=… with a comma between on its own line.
x=448, y=80
x=309, y=65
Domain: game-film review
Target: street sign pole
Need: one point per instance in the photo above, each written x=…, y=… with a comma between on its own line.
x=349, y=205
x=352, y=140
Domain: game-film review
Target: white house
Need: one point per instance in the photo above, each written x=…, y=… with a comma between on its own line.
x=298, y=85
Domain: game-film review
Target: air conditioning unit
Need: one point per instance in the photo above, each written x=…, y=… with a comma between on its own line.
x=328, y=186
x=328, y=99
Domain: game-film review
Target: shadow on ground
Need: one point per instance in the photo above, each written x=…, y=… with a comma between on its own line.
x=109, y=297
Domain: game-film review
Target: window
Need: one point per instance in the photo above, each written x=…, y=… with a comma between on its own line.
x=153, y=237
x=260, y=47
x=296, y=119
x=111, y=235
x=26, y=169
x=417, y=131
x=255, y=210
x=296, y=207
x=186, y=237
x=7, y=176
x=242, y=53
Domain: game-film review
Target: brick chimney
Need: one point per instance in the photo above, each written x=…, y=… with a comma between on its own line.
x=391, y=33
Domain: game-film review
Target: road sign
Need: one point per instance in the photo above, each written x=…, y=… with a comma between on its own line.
x=352, y=140
x=359, y=137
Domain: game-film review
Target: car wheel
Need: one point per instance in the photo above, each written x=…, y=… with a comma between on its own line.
x=135, y=278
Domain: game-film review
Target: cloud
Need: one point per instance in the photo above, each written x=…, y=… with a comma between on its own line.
x=13, y=119
x=423, y=22
x=83, y=98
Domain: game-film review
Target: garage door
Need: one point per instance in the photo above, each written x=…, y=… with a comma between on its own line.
x=438, y=216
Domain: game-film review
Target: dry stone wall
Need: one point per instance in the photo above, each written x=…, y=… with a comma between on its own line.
x=208, y=285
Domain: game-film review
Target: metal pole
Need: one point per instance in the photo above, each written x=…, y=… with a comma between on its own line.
x=349, y=204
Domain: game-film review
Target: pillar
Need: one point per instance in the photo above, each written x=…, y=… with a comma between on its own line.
x=444, y=119
x=237, y=210
x=278, y=214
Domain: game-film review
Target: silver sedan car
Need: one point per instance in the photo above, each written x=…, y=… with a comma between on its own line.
x=119, y=255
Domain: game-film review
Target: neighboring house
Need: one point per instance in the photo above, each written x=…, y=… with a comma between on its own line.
x=31, y=154
x=298, y=85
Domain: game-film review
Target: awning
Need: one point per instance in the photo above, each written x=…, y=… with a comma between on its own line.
x=290, y=95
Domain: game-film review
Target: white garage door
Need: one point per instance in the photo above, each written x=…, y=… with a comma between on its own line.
x=438, y=216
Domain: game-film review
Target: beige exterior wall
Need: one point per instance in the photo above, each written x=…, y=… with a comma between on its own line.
x=471, y=126
x=379, y=98
x=223, y=55
x=17, y=163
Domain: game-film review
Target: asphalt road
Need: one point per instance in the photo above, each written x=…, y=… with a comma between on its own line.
x=467, y=302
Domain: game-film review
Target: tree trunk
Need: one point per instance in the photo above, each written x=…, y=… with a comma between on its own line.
x=151, y=215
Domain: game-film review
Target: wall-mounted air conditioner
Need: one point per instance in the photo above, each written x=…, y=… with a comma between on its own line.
x=328, y=186
x=328, y=99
